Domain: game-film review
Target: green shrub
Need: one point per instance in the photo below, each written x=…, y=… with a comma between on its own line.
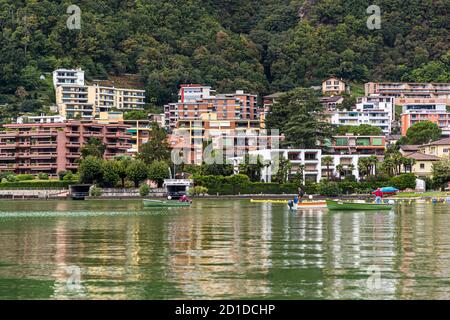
x=24, y=177
x=11, y=178
x=42, y=176
x=198, y=191
x=35, y=184
x=95, y=192
x=144, y=190
x=404, y=181
x=330, y=189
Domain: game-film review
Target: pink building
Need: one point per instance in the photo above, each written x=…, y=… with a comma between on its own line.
x=55, y=147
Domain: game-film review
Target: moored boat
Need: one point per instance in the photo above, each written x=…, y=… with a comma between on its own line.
x=301, y=205
x=339, y=205
x=165, y=204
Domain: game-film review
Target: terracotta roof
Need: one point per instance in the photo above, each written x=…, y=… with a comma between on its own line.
x=330, y=99
x=410, y=147
x=422, y=156
x=442, y=142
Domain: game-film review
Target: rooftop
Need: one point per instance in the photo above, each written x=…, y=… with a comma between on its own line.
x=442, y=142
x=422, y=156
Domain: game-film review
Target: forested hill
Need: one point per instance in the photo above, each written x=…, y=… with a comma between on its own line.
x=258, y=45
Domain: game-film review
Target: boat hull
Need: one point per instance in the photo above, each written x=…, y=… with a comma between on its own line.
x=336, y=205
x=302, y=205
x=165, y=204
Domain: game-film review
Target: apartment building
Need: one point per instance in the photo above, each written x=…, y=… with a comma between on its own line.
x=196, y=101
x=190, y=93
x=68, y=77
x=407, y=93
x=40, y=119
x=376, y=111
x=76, y=101
x=234, y=137
x=436, y=113
x=351, y=144
x=54, y=147
x=108, y=97
x=333, y=86
x=307, y=161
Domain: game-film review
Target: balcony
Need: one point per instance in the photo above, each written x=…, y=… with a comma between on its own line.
x=73, y=155
x=73, y=145
x=7, y=156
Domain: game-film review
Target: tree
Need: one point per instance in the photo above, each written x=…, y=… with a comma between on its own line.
x=110, y=173
x=157, y=148
x=137, y=172
x=299, y=106
x=283, y=169
x=361, y=130
x=341, y=170
x=91, y=170
x=158, y=171
x=94, y=147
x=441, y=173
x=252, y=167
x=122, y=163
x=136, y=115
x=404, y=181
x=423, y=132
x=328, y=161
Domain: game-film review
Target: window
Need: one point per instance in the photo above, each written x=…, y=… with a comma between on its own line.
x=422, y=166
x=377, y=142
x=341, y=142
x=363, y=142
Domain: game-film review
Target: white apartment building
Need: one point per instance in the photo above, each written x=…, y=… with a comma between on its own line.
x=193, y=92
x=311, y=159
x=68, y=77
x=372, y=110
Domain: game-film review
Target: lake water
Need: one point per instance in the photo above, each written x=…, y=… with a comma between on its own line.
x=221, y=249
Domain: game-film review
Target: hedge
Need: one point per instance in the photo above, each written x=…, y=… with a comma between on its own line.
x=36, y=184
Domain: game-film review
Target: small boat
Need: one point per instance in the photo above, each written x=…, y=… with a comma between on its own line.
x=268, y=201
x=165, y=204
x=301, y=205
x=339, y=205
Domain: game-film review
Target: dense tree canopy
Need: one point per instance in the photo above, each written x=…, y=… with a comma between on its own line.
x=256, y=45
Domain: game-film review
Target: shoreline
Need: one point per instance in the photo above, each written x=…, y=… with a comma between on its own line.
x=416, y=196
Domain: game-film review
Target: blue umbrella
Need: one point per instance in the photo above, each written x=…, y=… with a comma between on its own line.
x=388, y=190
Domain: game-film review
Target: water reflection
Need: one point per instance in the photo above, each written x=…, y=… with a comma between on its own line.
x=224, y=249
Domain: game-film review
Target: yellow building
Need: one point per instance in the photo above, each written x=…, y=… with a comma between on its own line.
x=424, y=163
x=440, y=148
x=333, y=86
x=76, y=101
x=139, y=129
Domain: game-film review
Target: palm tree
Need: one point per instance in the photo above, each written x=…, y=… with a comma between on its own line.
x=340, y=170
x=351, y=168
x=363, y=166
x=327, y=161
x=373, y=161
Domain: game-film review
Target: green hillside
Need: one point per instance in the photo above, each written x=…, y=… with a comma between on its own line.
x=258, y=45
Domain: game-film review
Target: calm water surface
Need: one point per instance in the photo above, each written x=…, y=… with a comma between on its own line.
x=221, y=249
